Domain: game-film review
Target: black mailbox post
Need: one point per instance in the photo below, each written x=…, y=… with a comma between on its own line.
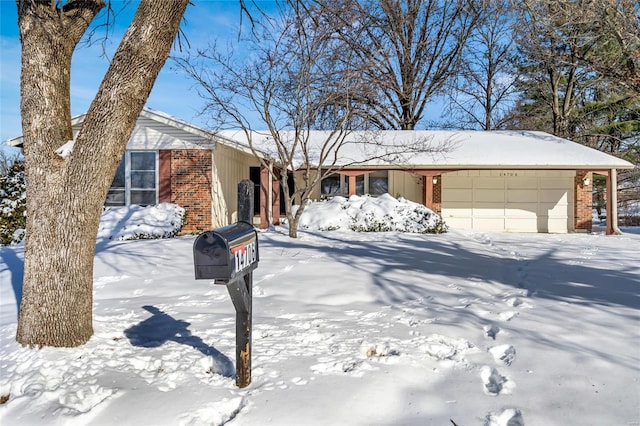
x=228, y=256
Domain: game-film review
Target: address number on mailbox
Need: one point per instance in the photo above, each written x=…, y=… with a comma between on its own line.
x=227, y=253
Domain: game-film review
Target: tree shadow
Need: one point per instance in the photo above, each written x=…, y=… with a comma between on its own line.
x=398, y=267
x=161, y=328
x=548, y=274
x=15, y=266
x=117, y=225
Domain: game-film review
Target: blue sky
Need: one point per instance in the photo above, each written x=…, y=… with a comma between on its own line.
x=173, y=93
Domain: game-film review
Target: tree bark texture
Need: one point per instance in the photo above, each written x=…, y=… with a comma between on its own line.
x=65, y=195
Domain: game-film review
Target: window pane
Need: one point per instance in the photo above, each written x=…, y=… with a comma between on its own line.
x=146, y=180
x=115, y=197
x=118, y=180
x=143, y=161
x=143, y=198
x=360, y=185
x=331, y=185
x=379, y=183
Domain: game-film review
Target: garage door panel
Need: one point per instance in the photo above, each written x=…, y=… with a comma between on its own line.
x=558, y=210
x=488, y=224
x=522, y=183
x=522, y=195
x=521, y=224
x=457, y=196
x=458, y=210
x=554, y=183
x=488, y=196
x=554, y=196
x=495, y=211
x=521, y=210
x=459, y=222
x=489, y=183
x=453, y=182
x=557, y=225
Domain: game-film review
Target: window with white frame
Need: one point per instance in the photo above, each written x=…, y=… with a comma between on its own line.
x=376, y=183
x=136, y=180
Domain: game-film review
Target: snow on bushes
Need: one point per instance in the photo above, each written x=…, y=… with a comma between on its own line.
x=371, y=214
x=137, y=222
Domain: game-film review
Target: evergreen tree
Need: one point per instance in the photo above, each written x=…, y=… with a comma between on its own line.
x=12, y=203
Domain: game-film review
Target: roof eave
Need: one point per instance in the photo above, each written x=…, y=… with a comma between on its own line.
x=491, y=166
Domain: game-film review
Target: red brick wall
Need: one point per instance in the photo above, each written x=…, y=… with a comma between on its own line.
x=437, y=196
x=432, y=195
x=583, y=202
x=190, y=177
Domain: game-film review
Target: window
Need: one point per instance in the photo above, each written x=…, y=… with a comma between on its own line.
x=359, y=184
x=136, y=180
x=376, y=183
x=331, y=186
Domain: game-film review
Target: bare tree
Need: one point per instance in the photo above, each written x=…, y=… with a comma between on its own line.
x=409, y=51
x=484, y=91
x=614, y=27
x=302, y=86
x=551, y=46
x=65, y=194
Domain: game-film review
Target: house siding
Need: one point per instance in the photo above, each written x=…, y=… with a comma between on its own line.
x=407, y=185
x=232, y=166
x=152, y=135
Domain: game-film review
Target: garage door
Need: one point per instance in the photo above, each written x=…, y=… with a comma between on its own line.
x=509, y=201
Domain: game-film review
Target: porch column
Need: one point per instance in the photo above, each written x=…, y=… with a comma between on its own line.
x=428, y=191
x=264, y=197
x=352, y=185
x=612, y=203
x=275, y=204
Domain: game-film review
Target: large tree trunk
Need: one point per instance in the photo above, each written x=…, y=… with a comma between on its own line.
x=65, y=195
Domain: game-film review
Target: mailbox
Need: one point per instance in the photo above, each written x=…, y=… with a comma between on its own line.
x=227, y=253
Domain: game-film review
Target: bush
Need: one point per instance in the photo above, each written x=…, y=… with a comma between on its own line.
x=12, y=204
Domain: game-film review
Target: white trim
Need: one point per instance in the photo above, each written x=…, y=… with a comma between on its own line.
x=127, y=176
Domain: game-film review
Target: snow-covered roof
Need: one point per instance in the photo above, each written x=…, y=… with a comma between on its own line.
x=451, y=149
x=158, y=130
x=424, y=149
x=170, y=127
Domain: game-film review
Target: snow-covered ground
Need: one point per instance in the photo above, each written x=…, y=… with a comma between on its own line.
x=348, y=329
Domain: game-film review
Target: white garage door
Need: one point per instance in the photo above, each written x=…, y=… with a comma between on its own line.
x=511, y=201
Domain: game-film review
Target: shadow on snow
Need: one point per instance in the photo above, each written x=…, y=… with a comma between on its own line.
x=161, y=328
x=545, y=276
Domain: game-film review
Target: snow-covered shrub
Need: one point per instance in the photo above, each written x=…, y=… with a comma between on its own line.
x=371, y=214
x=12, y=204
x=372, y=223
x=137, y=222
